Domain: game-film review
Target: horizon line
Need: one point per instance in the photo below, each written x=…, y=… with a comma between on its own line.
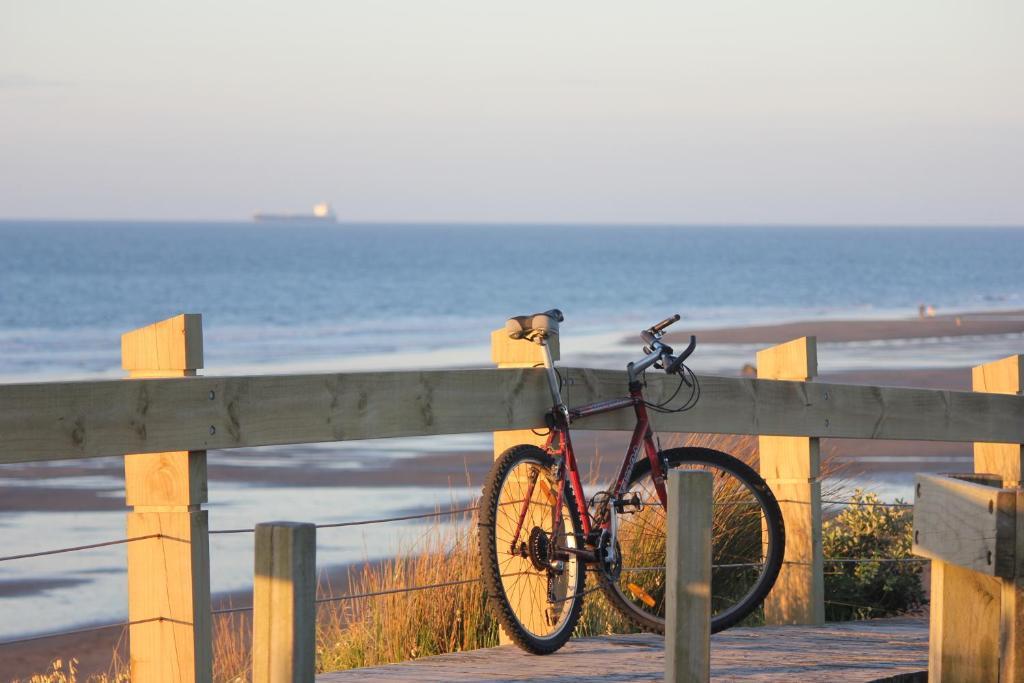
x=526, y=223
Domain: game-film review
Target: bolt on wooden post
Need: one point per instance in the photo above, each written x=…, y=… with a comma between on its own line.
x=792, y=467
x=284, y=607
x=688, y=583
x=168, y=575
x=519, y=353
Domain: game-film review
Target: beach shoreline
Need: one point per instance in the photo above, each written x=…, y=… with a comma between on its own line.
x=977, y=323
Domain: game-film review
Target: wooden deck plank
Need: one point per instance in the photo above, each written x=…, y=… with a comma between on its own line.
x=849, y=651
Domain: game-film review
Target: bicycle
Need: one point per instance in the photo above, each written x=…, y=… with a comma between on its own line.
x=537, y=542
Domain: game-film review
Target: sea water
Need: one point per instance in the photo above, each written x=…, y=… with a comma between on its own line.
x=280, y=296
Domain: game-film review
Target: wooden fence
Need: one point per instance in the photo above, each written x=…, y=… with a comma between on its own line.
x=973, y=531
x=166, y=417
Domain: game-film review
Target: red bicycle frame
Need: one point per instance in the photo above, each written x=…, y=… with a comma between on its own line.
x=559, y=443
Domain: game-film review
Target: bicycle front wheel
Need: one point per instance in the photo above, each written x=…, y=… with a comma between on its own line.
x=747, y=542
x=534, y=584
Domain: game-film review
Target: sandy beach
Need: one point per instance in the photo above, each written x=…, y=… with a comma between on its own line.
x=863, y=459
x=947, y=325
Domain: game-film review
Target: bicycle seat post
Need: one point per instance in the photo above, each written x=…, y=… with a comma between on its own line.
x=549, y=366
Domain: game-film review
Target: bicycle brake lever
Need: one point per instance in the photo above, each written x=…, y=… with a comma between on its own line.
x=678, y=362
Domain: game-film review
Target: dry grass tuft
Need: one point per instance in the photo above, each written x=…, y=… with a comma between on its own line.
x=402, y=626
x=61, y=672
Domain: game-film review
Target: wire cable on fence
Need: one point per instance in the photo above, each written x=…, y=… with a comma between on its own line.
x=231, y=610
x=391, y=591
x=88, y=629
x=866, y=560
x=397, y=519
x=79, y=547
x=857, y=503
x=363, y=522
x=334, y=525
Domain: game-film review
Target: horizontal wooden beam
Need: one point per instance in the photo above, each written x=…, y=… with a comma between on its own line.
x=968, y=524
x=91, y=419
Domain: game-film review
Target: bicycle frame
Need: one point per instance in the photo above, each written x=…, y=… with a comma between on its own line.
x=559, y=444
x=641, y=439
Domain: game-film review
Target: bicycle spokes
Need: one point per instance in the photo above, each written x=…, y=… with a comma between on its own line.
x=536, y=576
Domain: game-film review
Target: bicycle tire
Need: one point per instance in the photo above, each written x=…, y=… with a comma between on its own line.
x=636, y=605
x=518, y=590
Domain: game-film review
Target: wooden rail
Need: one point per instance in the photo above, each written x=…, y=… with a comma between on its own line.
x=167, y=418
x=71, y=420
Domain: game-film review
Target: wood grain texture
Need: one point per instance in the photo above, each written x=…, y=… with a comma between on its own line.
x=165, y=479
x=963, y=645
x=1011, y=616
x=858, y=651
x=791, y=465
x=688, y=580
x=1005, y=459
x=168, y=576
x=508, y=352
x=169, y=589
x=796, y=359
x=164, y=348
x=90, y=419
x=284, y=608
x=1003, y=376
x=966, y=524
x=519, y=353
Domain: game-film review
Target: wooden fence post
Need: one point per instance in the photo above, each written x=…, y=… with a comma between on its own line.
x=284, y=607
x=1006, y=376
x=518, y=353
x=967, y=525
x=169, y=575
x=976, y=629
x=791, y=465
x=688, y=584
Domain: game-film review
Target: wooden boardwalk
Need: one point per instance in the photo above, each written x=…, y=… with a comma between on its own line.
x=851, y=651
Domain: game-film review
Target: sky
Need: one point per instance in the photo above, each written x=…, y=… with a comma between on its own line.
x=753, y=112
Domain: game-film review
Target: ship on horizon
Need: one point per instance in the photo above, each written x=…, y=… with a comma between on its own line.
x=322, y=213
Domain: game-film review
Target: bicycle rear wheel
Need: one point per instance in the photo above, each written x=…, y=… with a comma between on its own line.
x=534, y=586
x=748, y=540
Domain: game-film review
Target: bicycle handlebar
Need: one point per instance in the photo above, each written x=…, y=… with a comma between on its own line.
x=665, y=323
x=660, y=352
x=678, y=362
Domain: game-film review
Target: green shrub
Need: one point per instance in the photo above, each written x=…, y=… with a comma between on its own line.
x=863, y=590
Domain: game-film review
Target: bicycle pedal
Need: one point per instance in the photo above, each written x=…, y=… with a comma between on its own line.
x=630, y=505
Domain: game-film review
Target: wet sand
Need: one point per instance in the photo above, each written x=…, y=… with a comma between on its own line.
x=991, y=323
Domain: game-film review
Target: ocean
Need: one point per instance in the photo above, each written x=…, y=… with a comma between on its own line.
x=275, y=297
x=282, y=298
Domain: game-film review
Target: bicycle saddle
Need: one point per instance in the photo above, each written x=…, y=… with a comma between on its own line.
x=534, y=327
